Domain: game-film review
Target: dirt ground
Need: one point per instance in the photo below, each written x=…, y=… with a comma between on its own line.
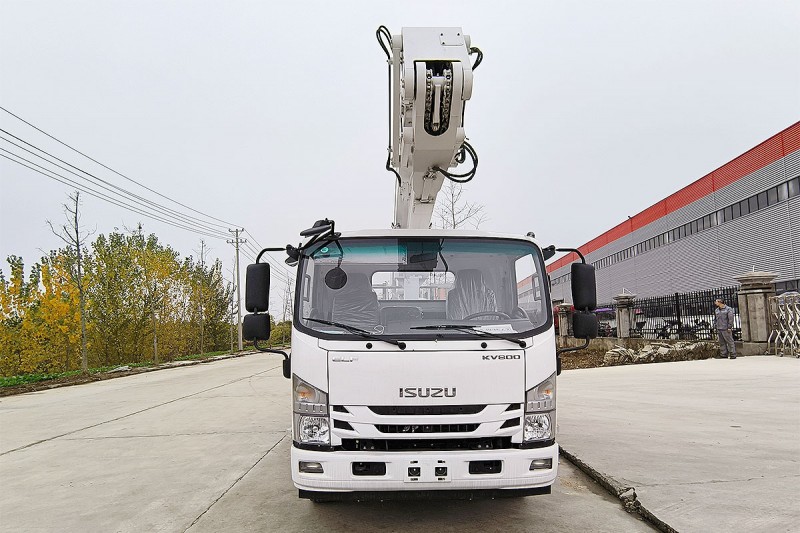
x=588, y=358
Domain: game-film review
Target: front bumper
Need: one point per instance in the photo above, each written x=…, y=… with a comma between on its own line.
x=338, y=470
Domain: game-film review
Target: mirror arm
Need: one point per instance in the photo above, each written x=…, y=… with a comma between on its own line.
x=583, y=259
x=258, y=257
x=287, y=362
x=565, y=350
x=269, y=350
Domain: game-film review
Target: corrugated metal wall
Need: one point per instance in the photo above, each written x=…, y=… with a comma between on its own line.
x=794, y=229
x=768, y=239
x=760, y=241
x=754, y=183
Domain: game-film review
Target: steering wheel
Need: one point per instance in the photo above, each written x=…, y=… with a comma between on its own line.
x=487, y=313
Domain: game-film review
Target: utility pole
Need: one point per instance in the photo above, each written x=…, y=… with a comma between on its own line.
x=236, y=242
x=202, y=296
x=231, y=319
x=231, y=309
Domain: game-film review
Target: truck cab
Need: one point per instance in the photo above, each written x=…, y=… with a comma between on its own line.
x=423, y=361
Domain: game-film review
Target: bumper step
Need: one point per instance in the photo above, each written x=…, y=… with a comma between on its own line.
x=377, y=496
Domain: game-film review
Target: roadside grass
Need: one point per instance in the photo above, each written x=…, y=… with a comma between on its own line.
x=36, y=377
x=22, y=379
x=201, y=355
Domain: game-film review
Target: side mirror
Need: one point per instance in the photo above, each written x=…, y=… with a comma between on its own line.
x=256, y=294
x=584, y=325
x=256, y=327
x=584, y=287
x=549, y=252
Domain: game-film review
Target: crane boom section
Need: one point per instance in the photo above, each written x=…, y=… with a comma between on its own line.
x=431, y=82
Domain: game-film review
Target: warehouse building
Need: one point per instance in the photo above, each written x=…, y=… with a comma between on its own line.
x=743, y=216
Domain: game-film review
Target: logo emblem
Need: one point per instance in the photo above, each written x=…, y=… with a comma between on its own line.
x=427, y=392
x=501, y=357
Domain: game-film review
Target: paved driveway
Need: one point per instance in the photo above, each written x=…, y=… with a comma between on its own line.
x=709, y=445
x=205, y=448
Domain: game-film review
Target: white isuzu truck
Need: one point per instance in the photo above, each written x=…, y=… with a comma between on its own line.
x=423, y=361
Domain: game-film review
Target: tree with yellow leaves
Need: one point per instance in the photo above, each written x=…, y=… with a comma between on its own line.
x=124, y=298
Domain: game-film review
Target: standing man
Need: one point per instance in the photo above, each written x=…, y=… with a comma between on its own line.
x=723, y=321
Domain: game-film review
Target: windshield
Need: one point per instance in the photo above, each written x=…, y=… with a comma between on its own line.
x=401, y=288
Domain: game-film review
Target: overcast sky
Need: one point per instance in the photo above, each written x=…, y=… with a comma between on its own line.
x=272, y=115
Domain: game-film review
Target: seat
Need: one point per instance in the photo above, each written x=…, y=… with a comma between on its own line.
x=469, y=295
x=356, y=303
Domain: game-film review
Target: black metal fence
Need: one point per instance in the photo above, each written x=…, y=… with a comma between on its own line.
x=688, y=316
x=685, y=316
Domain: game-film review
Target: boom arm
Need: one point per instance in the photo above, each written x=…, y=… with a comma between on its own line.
x=430, y=82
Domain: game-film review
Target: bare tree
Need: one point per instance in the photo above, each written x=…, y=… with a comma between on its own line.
x=71, y=235
x=453, y=211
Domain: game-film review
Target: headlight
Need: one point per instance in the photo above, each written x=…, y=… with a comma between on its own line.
x=309, y=399
x=313, y=429
x=540, y=411
x=542, y=397
x=537, y=427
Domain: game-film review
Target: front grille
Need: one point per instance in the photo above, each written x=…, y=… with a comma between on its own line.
x=426, y=428
x=405, y=445
x=341, y=424
x=510, y=423
x=411, y=410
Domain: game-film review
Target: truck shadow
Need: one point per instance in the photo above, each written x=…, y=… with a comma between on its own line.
x=438, y=515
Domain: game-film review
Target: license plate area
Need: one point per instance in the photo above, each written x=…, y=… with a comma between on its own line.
x=427, y=471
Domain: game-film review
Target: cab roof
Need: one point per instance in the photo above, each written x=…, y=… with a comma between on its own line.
x=433, y=233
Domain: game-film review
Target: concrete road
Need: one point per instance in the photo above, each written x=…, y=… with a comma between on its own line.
x=708, y=445
x=205, y=448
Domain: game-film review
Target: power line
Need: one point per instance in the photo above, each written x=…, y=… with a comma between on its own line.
x=257, y=250
x=272, y=261
x=251, y=256
x=166, y=211
x=91, y=192
x=227, y=224
x=280, y=276
x=268, y=253
x=164, y=214
x=183, y=221
x=122, y=202
x=144, y=210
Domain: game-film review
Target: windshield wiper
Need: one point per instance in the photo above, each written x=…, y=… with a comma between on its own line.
x=474, y=329
x=358, y=331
